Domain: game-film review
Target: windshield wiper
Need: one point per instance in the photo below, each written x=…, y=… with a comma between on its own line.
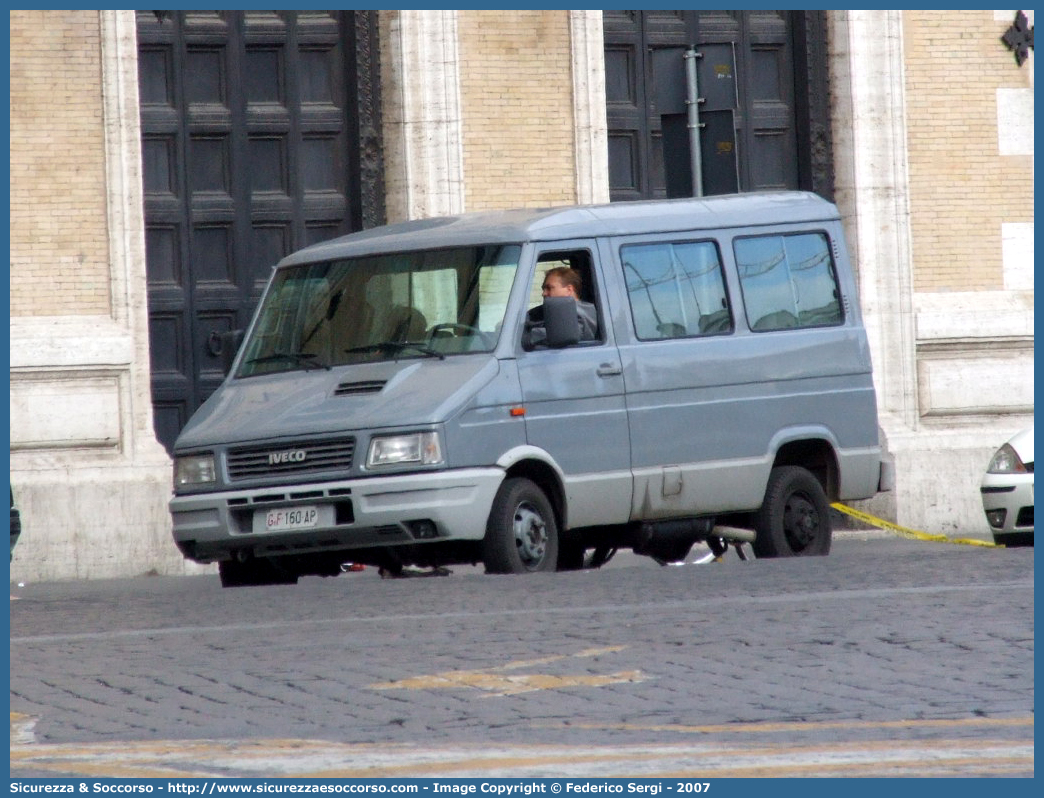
x=306, y=359
x=396, y=347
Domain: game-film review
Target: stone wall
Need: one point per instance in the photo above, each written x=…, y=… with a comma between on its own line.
x=89, y=477
x=517, y=108
x=934, y=179
x=933, y=132
x=59, y=237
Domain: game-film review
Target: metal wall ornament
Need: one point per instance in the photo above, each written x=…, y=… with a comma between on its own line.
x=1019, y=38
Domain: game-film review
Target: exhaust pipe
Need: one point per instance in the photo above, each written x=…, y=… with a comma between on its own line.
x=735, y=535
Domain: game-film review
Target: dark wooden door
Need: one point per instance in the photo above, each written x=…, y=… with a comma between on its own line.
x=762, y=82
x=764, y=119
x=636, y=167
x=251, y=143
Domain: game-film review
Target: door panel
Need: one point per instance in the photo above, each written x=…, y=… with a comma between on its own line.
x=754, y=141
x=768, y=80
x=574, y=401
x=626, y=109
x=250, y=147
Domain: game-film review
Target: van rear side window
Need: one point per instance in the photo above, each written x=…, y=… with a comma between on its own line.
x=676, y=290
x=788, y=281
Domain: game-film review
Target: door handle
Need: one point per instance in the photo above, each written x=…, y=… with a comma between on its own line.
x=609, y=370
x=215, y=346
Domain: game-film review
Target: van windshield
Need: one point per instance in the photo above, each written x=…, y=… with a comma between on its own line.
x=433, y=303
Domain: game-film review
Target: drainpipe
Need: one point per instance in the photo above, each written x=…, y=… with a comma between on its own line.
x=692, y=102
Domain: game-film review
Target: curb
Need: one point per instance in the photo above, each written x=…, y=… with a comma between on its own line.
x=906, y=532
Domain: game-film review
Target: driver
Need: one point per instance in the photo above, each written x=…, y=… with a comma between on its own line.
x=561, y=281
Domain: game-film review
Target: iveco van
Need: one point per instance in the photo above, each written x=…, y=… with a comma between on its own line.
x=386, y=406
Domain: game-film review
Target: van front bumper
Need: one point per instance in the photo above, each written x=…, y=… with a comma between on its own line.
x=359, y=513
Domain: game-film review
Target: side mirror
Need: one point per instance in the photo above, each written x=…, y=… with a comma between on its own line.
x=561, y=322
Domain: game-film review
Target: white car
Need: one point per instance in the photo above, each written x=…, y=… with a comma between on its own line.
x=1007, y=491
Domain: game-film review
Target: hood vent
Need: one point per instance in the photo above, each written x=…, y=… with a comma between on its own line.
x=356, y=388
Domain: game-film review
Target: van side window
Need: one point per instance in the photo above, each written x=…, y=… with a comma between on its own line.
x=676, y=290
x=788, y=281
x=559, y=263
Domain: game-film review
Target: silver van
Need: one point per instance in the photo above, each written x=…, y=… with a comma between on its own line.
x=390, y=404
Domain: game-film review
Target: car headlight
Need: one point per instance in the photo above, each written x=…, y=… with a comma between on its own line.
x=193, y=469
x=418, y=447
x=1006, y=461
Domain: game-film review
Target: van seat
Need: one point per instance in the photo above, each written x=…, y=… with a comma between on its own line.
x=405, y=324
x=672, y=329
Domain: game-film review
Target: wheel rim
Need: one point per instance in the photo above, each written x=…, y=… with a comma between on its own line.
x=800, y=521
x=530, y=535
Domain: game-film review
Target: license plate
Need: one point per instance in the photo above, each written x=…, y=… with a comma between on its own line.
x=304, y=517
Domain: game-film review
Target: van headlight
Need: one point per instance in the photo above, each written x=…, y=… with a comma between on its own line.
x=193, y=469
x=417, y=447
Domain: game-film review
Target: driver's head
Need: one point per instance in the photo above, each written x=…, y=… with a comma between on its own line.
x=561, y=281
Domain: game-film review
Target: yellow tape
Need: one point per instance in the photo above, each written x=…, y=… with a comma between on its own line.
x=911, y=533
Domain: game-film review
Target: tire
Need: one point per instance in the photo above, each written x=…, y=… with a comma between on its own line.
x=794, y=519
x=253, y=573
x=521, y=533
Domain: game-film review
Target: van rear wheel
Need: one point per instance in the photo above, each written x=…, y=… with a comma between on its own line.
x=794, y=519
x=521, y=534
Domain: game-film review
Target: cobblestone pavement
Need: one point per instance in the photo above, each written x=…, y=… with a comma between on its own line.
x=889, y=657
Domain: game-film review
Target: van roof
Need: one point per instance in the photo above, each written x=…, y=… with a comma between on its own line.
x=579, y=221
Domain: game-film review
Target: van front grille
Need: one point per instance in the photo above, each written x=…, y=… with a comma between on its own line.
x=291, y=458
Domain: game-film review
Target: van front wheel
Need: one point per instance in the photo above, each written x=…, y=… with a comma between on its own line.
x=521, y=534
x=794, y=519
